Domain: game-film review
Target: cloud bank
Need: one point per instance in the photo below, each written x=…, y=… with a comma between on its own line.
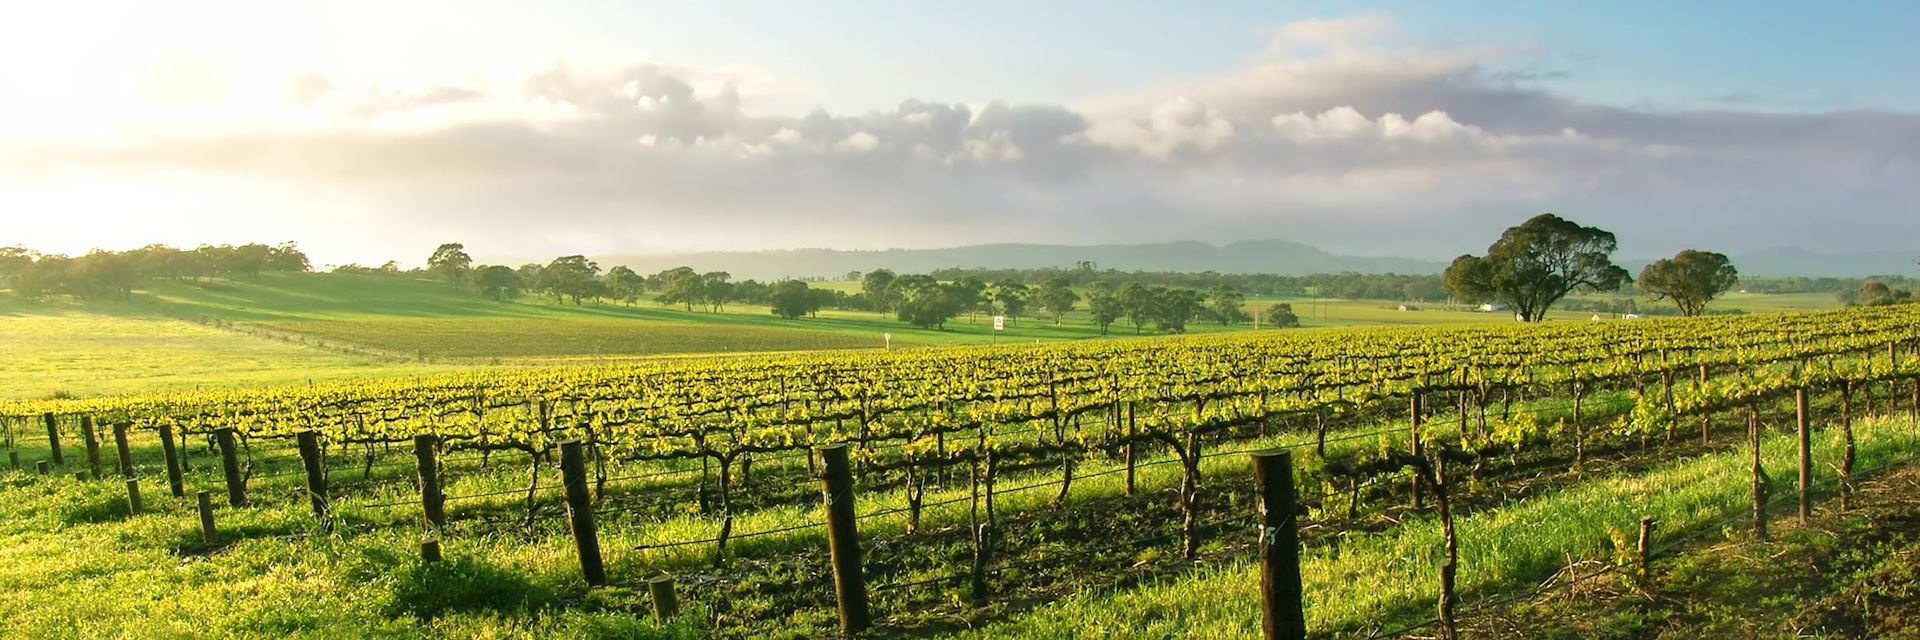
x=1326, y=136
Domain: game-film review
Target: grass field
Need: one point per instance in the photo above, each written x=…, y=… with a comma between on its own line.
x=47, y=349
x=78, y=565
x=288, y=328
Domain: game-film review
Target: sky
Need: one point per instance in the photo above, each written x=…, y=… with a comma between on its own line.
x=369, y=131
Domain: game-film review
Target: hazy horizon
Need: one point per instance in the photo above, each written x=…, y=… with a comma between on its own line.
x=370, y=132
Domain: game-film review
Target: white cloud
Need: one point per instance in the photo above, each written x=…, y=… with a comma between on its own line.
x=857, y=142
x=1178, y=124
x=1326, y=133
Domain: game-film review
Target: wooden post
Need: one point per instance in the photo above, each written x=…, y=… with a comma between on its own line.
x=1130, y=447
x=1706, y=414
x=186, y=452
x=1646, y=566
x=977, y=573
x=1761, y=482
x=430, y=550
x=433, y=502
x=1279, y=538
x=1847, y=452
x=93, y=445
x=316, y=468
x=1450, y=561
x=1806, y=455
x=120, y=446
x=586, y=540
x=1189, y=495
x=1414, y=447
x=207, y=532
x=1579, y=430
x=230, y=463
x=173, y=462
x=666, y=606
x=843, y=540
x=53, y=438
x=41, y=466
x=133, y=497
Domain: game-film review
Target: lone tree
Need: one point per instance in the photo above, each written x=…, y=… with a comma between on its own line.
x=926, y=302
x=1690, y=278
x=1104, y=306
x=1281, y=315
x=682, y=285
x=1536, y=264
x=1225, y=303
x=1057, y=297
x=792, y=299
x=497, y=282
x=450, y=262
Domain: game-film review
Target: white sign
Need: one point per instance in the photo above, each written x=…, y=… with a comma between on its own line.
x=889, y=337
x=999, y=323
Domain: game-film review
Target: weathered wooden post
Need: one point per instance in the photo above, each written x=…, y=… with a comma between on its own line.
x=1280, y=589
x=120, y=446
x=1579, y=429
x=133, y=497
x=1706, y=412
x=167, y=449
x=1414, y=447
x=1450, y=558
x=586, y=540
x=433, y=502
x=316, y=468
x=1761, y=482
x=666, y=606
x=430, y=550
x=1806, y=456
x=53, y=438
x=1131, y=439
x=1646, y=564
x=843, y=540
x=93, y=445
x=1847, y=450
x=42, y=467
x=230, y=464
x=207, y=532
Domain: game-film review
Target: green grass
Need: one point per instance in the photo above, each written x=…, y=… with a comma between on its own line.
x=287, y=328
x=1391, y=576
x=86, y=350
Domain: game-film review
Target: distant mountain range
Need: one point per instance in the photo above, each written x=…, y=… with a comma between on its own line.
x=1251, y=256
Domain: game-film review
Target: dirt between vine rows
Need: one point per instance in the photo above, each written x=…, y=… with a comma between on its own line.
x=1846, y=574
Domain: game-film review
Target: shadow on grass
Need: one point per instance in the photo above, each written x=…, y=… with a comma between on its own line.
x=94, y=510
x=410, y=587
x=189, y=543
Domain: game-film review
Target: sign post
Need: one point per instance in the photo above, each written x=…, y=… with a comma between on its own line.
x=999, y=325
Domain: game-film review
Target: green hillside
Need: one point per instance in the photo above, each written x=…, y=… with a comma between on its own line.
x=293, y=327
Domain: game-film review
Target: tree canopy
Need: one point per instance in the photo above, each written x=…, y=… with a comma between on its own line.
x=1537, y=263
x=1691, y=279
x=450, y=262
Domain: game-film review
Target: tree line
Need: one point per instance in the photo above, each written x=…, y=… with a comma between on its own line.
x=113, y=275
x=922, y=300
x=1346, y=285
x=930, y=300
